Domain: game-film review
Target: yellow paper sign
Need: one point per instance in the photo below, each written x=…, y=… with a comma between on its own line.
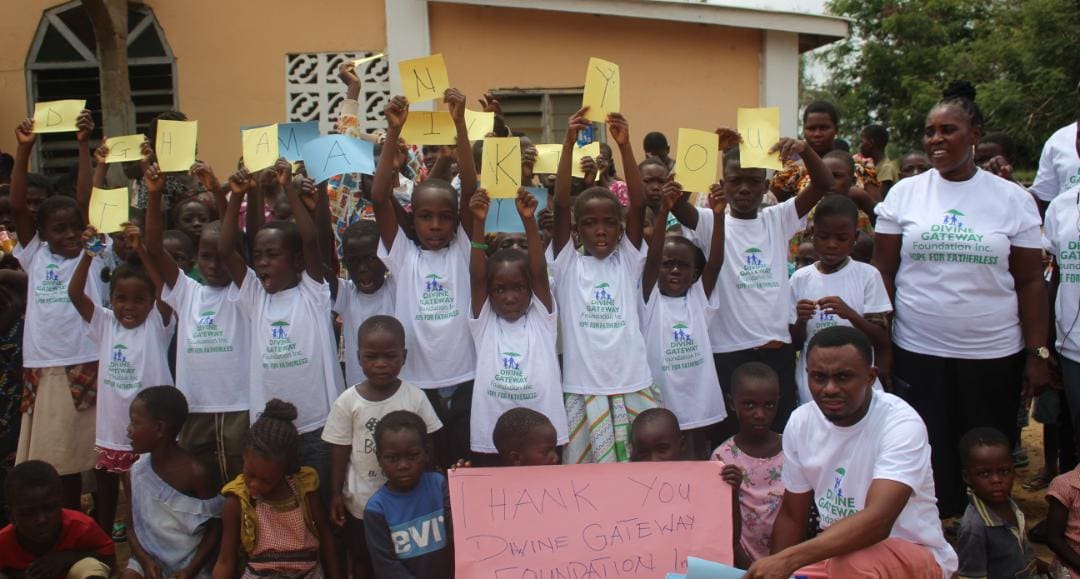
x=57, y=116
x=760, y=130
x=501, y=167
x=108, y=209
x=479, y=124
x=424, y=128
x=358, y=62
x=547, y=159
x=125, y=148
x=697, y=159
x=424, y=79
x=260, y=147
x=601, y=90
x=590, y=150
x=175, y=146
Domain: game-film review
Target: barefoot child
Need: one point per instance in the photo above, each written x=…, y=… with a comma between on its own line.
x=992, y=540
x=273, y=510
x=433, y=278
x=286, y=296
x=213, y=344
x=837, y=290
x=368, y=291
x=756, y=451
x=175, y=506
x=132, y=340
x=524, y=437
x=60, y=363
x=514, y=325
x=354, y=468
x=45, y=540
x=675, y=321
x=407, y=522
x=597, y=293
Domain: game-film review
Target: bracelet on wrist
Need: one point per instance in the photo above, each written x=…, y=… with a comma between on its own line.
x=480, y=246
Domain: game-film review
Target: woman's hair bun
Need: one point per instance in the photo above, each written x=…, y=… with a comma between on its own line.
x=279, y=410
x=959, y=89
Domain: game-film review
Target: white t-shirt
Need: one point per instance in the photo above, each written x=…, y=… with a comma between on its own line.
x=676, y=331
x=752, y=289
x=433, y=299
x=603, y=349
x=352, y=423
x=293, y=351
x=130, y=360
x=858, y=284
x=1062, y=238
x=516, y=366
x=213, y=335
x=48, y=339
x=354, y=307
x=1059, y=165
x=839, y=463
x=955, y=297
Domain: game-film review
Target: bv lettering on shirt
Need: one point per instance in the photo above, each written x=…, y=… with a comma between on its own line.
x=419, y=536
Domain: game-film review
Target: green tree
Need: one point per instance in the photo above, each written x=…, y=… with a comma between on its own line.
x=1019, y=54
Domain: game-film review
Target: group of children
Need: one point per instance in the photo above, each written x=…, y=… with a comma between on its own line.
x=586, y=339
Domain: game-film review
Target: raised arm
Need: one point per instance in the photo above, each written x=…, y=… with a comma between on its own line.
x=325, y=230
x=563, y=181
x=466, y=169
x=382, y=185
x=619, y=130
x=133, y=239
x=821, y=179
x=84, y=180
x=884, y=502
x=715, y=261
x=101, y=168
x=672, y=195
x=541, y=287
x=159, y=258
x=20, y=208
x=205, y=174
x=478, y=210
x=239, y=183
x=313, y=262
x=77, y=286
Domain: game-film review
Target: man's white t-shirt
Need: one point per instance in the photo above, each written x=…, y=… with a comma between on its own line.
x=955, y=297
x=603, y=349
x=352, y=423
x=839, y=463
x=1059, y=165
x=676, y=331
x=752, y=290
x=1062, y=239
x=433, y=299
x=516, y=366
x=212, y=347
x=293, y=351
x=858, y=284
x=354, y=307
x=48, y=339
x=130, y=360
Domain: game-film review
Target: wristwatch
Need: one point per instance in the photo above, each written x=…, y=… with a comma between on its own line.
x=1042, y=352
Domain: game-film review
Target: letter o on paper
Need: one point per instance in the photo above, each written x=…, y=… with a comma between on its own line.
x=691, y=161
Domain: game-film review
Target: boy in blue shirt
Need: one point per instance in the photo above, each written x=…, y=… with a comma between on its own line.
x=407, y=521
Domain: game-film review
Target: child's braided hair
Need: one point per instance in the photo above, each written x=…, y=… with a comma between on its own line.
x=274, y=435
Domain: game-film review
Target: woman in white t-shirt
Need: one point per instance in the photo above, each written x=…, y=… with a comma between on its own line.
x=514, y=325
x=1061, y=237
x=961, y=251
x=606, y=380
x=1059, y=164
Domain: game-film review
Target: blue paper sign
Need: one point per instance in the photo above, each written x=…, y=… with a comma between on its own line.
x=503, y=216
x=332, y=155
x=293, y=136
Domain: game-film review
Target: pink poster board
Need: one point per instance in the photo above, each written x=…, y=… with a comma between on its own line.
x=589, y=520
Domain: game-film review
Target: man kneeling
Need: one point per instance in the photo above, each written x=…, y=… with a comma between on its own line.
x=863, y=458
